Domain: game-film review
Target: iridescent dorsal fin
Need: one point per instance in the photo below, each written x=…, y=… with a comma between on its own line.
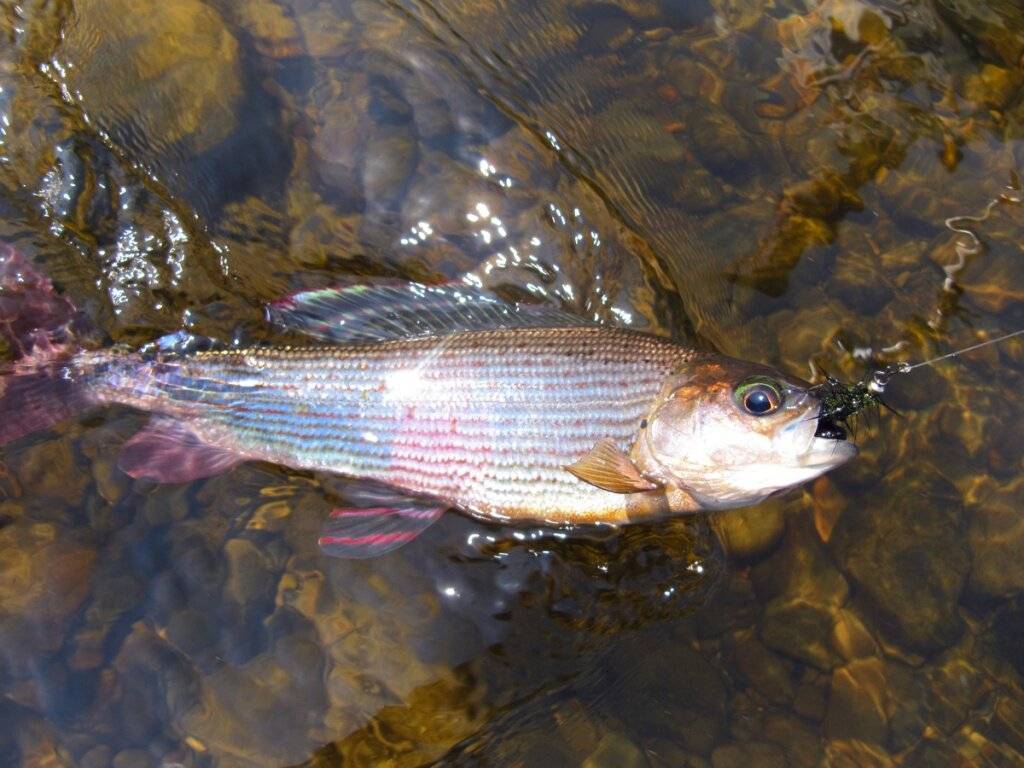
x=402, y=310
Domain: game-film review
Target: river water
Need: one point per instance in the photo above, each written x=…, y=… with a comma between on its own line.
x=814, y=185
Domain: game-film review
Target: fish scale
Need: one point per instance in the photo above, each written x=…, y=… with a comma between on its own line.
x=485, y=419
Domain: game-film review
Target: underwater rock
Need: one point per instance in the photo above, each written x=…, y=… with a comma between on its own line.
x=165, y=71
x=904, y=551
x=859, y=283
x=749, y=532
x=683, y=693
x=616, y=751
x=811, y=697
x=49, y=469
x=325, y=30
x=850, y=638
x=44, y=580
x=798, y=629
x=802, y=590
x=270, y=25
x=148, y=685
x=97, y=757
x=134, y=758
x=763, y=670
x=994, y=26
x=720, y=143
x=801, y=743
x=993, y=87
x=387, y=166
x=699, y=192
x=249, y=577
x=955, y=685
x=857, y=705
x=341, y=128
x=845, y=753
x=995, y=535
x=995, y=285
x=1008, y=722
x=747, y=754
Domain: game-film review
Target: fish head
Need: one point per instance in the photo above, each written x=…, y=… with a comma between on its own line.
x=732, y=433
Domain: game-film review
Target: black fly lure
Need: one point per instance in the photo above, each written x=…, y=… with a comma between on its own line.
x=840, y=402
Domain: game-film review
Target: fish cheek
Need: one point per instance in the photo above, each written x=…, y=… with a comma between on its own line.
x=673, y=429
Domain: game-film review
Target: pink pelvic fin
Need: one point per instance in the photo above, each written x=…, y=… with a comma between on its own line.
x=167, y=451
x=372, y=531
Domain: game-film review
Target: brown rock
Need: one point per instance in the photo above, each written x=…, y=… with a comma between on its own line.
x=1009, y=721
x=904, y=550
x=43, y=582
x=764, y=670
x=616, y=751
x=995, y=534
x=850, y=638
x=811, y=696
x=844, y=753
x=801, y=743
x=749, y=532
x=170, y=70
x=857, y=706
x=799, y=629
x=803, y=590
x=747, y=754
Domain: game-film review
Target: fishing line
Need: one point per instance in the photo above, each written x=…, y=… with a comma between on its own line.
x=908, y=368
x=880, y=378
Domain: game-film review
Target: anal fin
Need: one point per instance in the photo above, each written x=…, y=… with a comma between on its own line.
x=167, y=451
x=608, y=468
x=372, y=531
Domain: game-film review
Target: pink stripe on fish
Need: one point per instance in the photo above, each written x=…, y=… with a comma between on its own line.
x=369, y=540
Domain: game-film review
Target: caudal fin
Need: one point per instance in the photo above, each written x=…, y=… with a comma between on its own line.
x=37, y=389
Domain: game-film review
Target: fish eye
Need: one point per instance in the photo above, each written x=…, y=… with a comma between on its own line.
x=759, y=396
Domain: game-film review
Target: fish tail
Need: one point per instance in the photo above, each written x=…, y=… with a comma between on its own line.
x=40, y=385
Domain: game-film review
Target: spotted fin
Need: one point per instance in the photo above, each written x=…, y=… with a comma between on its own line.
x=403, y=310
x=610, y=469
x=166, y=451
x=372, y=531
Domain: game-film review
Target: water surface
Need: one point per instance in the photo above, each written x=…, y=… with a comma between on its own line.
x=813, y=185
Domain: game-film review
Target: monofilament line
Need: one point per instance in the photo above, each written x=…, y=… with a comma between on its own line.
x=907, y=368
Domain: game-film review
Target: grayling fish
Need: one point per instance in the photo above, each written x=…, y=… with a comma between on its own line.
x=445, y=394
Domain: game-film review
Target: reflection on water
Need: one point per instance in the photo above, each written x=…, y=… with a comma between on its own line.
x=807, y=184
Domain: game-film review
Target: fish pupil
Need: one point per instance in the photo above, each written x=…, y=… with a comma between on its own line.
x=758, y=402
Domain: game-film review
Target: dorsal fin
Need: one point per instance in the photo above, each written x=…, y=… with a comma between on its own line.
x=401, y=310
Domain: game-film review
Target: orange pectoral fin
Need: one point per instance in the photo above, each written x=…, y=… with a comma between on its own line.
x=610, y=469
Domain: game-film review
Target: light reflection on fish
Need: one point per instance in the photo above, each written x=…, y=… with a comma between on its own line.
x=448, y=396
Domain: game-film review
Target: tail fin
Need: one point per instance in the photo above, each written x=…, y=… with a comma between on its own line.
x=37, y=389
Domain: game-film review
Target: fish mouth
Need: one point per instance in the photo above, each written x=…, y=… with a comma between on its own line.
x=828, y=428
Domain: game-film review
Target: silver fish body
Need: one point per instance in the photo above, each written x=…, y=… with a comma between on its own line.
x=447, y=394
x=484, y=420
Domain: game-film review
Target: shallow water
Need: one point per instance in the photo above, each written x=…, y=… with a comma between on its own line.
x=799, y=183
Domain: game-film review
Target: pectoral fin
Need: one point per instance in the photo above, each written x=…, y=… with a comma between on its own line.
x=610, y=469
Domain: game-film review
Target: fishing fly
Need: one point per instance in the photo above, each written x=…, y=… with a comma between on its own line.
x=840, y=402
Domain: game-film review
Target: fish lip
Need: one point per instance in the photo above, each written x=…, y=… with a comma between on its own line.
x=828, y=428
x=829, y=453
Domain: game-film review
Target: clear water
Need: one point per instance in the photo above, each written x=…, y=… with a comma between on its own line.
x=806, y=184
